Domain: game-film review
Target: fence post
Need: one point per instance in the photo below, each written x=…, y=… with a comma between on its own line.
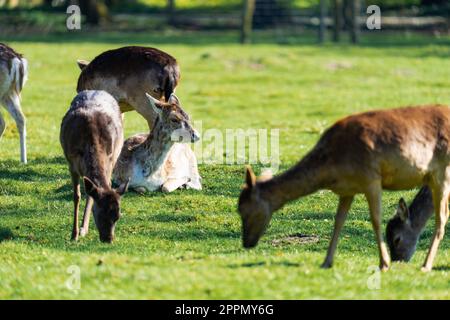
x=355, y=29
x=322, y=24
x=247, y=20
x=337, y=17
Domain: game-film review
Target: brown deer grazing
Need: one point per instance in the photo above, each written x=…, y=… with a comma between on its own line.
x=365, y=153
x=404, y=229
x=145, y=160
x=128, y=73
x=91, y=137
x=13, y=75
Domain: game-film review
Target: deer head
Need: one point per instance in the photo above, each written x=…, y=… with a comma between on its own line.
x=176, y=122
x=401, y=236
x=255, y=212
x=106, y=207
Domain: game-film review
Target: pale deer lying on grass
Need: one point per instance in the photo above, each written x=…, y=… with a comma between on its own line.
x=404, y=229
x=13, y=75
x=92, y=136
x=127, y=74
x=364, y=153
x=145, y=159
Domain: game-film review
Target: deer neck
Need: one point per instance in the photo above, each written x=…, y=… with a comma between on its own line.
x=304, y=178
x=96, y=168
x=156, y=147
x=421, y=209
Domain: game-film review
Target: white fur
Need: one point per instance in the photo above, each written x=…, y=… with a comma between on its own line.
x=178, y=169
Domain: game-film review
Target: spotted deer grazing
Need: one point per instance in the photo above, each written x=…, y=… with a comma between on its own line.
x=404, y=229
x=13, y=75
x=365, y=153
x=129, y=73
x=91, y=137
x=145, y=159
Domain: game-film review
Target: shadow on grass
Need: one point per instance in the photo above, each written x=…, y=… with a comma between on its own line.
x=263, y=264
x=441, y=268
x=6, y=234
x=14, y=170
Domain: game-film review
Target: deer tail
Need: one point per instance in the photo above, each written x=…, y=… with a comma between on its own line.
x=19, y=73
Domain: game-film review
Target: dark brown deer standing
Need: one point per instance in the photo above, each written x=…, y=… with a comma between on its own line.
x=128, y=73
x=92, y=137
x=365, y=153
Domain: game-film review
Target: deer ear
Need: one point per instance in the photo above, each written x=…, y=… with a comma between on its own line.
x=250, y=178
x=155, y=104
x=402, y=210
x=123, y=188
x=82, y=64
x=91, y=188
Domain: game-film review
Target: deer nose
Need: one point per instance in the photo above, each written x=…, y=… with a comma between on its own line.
x=195, y=136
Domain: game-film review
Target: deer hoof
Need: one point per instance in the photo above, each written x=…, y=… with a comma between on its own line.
x=425, y=269
x=326, y=265
x=83, y=232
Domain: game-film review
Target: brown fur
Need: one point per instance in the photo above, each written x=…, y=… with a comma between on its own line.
x=91, y=136
x=128, y=73
x=364, y=153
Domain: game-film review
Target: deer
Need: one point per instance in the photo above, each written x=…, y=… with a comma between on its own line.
x=403, y=230
x=145, y=160
x=91, y=137
x=128, y=74
x=394, y=149
x=13, y=76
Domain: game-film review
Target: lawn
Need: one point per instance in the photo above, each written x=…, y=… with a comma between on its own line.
x=187, y=244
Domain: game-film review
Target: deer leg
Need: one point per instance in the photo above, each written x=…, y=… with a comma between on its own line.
x=173, y=184
x=76, y=203
x=341, y=215
x=2, y=125
x=373, y=197
x=86, y=217
x=440, y=201
x=12, y=104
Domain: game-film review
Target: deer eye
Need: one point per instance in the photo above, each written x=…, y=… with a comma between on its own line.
x=174, y=120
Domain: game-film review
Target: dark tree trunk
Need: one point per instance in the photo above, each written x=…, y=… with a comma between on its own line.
x=94, y=10
x=171, y=12
x=322, y=17
x=337, y=20
x=355, y=28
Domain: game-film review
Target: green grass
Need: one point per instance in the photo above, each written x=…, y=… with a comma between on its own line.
x=187, y=244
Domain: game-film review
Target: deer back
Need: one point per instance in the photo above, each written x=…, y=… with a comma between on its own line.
x=92, y=133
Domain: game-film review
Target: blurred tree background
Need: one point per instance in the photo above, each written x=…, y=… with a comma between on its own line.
x=279, y=16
